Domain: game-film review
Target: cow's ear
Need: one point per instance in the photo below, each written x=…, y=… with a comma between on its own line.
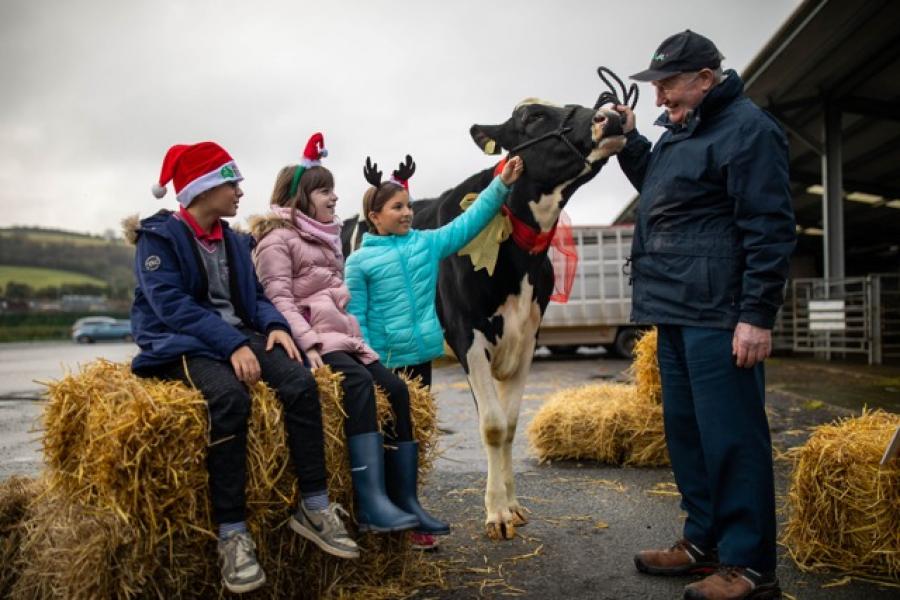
x=489, y=138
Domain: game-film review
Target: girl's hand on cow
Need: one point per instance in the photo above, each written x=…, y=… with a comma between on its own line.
x=283, y=339
x=512, y=170
x=245, y=365
x=314, y=358
x=628, y=116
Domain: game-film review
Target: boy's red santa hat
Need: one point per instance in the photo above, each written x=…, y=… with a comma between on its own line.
x=195, y=168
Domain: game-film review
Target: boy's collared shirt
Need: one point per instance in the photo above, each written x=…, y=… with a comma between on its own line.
x=215, y=235
x=215, y=261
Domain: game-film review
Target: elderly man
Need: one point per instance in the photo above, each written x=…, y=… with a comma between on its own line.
x=714, y=234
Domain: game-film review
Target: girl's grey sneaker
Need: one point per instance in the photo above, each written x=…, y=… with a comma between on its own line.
x=237, y=556
x=325, y=529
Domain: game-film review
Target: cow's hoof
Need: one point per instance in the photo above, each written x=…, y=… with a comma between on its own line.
x=518, y=516
x=500, y=530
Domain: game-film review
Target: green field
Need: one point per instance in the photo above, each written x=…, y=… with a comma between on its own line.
x=57, y=237
x=40, y=278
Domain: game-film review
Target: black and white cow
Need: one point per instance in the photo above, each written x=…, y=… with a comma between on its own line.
x=491, y=321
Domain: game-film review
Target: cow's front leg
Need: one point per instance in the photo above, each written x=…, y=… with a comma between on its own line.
x=499, y=522
x=510, y=392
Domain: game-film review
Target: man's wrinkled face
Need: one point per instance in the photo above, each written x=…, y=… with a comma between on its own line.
x=682, y=93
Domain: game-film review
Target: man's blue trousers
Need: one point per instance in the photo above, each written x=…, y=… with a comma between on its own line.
x=718, y=439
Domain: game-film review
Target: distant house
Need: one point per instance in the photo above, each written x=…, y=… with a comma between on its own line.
x=84, y=302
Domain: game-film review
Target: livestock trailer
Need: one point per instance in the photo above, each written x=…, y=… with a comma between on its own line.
x=599, y=303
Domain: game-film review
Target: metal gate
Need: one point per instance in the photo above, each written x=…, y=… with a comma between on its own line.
x=854, y=315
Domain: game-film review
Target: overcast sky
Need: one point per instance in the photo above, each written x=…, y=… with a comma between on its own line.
x=94, y=92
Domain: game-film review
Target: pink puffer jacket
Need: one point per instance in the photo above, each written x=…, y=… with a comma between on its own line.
x=302, y=271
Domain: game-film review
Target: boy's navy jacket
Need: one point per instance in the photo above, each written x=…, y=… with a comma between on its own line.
x=715, y=229
x=172, y=315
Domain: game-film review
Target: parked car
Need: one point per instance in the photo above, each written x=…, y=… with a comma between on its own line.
x=91, y=321
x=93, y=331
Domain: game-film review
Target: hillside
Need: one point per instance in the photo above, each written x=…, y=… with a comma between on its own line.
x=38, y=277
x=104, y=261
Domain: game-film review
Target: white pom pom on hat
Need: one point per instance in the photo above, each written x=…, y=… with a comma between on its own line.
x=158, y=190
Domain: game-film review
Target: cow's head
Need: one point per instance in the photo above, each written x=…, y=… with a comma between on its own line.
x=563, y=146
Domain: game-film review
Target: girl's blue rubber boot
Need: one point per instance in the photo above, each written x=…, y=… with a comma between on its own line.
x=374, y=510
x=402, y=469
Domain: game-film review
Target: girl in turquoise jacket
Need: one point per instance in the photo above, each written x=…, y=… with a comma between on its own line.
x=392, y=277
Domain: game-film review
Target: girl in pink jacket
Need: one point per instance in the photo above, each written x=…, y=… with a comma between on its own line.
x=300, y=265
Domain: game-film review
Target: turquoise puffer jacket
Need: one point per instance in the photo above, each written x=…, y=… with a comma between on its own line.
x=393, y=282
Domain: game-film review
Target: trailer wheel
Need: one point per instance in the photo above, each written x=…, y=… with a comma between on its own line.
x=562, y=350
x=626, y=338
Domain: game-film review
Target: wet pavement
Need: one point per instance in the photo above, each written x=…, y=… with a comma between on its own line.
x=587, y=520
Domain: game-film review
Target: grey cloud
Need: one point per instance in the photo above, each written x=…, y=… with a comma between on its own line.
x=96, y=91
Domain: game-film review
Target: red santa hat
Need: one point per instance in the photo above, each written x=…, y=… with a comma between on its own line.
x=313, y=153
x=195, y=168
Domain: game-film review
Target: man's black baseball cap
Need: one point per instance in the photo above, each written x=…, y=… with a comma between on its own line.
x=683, y=52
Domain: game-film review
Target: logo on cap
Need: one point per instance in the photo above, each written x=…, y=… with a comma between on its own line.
x=659, y=56
x=226, y=172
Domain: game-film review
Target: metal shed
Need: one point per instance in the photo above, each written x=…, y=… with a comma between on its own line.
x=831, y=75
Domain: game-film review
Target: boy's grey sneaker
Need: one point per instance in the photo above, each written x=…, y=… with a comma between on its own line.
x=237, y=556
x=325, y=529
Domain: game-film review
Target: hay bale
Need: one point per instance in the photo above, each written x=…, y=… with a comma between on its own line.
x=843, y=507
x=16, y=495
x=126, y=513
x=74, y=551
x=644, y=368
x=608, y=422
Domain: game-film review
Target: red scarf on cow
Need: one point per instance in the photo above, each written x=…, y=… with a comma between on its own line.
x=563, y=255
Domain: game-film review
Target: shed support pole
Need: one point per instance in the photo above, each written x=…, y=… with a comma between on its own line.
x=833, y=198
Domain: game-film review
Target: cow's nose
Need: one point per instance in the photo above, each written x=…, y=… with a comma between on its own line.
x=599, y=118
x=611, y=123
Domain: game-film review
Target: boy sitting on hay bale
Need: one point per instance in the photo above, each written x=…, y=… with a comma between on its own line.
x=200, y=316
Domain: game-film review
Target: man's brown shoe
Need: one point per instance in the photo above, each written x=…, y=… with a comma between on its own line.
x=683, y=558
x=734, y=583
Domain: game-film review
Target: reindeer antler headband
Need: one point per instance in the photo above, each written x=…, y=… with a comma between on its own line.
x=401, y=175
x=312, y=154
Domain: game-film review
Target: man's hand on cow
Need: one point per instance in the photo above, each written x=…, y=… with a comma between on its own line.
x=750, y=344
x=625, y=111
x=512, y=170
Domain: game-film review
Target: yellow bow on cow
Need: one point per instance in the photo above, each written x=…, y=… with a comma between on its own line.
x=483, y=250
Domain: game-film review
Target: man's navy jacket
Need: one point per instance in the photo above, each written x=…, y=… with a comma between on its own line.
x=714, y=228
x=172, y=314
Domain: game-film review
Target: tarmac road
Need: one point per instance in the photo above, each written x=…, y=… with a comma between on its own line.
x=587, y=520
x=22, y=367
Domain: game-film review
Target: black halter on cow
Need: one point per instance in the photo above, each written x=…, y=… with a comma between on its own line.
x=491, y=315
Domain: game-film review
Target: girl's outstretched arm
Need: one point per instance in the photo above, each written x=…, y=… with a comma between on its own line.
x=460, y=231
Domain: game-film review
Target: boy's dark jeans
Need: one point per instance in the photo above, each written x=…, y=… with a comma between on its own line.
x=228, y=404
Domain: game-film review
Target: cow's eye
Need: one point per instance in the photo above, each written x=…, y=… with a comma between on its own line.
x=533, y=118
